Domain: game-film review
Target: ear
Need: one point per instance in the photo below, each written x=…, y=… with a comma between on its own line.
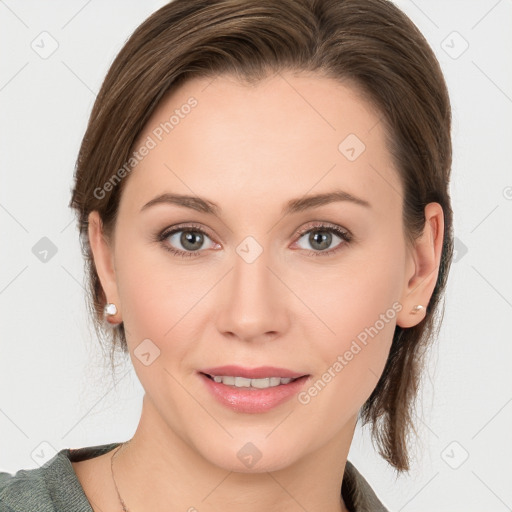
x=423, y=267
x=103, y=255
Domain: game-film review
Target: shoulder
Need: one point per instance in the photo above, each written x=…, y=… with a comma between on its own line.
x=52, y=487
x=25, y=490
x=357, y=492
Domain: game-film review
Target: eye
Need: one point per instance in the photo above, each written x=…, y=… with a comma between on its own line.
x=190, y=238
x=320, y=237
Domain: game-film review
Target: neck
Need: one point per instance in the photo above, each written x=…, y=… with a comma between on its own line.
x=179, y=478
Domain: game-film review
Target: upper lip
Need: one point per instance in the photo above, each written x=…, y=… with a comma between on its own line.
x=261, y=372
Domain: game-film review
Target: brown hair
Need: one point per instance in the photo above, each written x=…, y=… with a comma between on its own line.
x=369, y=43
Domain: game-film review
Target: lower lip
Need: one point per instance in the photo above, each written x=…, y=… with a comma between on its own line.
x=253, y=400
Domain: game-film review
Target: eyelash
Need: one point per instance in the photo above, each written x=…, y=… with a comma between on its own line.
x=194, y=228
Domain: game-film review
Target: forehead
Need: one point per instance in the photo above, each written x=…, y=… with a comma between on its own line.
x=287, y=134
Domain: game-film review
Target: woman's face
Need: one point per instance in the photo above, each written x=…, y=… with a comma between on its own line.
x=261, y=280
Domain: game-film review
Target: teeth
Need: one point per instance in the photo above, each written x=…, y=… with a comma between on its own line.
x=242, y=382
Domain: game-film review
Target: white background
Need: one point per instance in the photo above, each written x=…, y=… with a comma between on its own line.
x=55, y=387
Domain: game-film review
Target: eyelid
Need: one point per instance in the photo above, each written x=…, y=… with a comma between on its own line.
x=183, y=227
x=323, y=224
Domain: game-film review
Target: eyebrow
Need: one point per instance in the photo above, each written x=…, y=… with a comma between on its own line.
x=293, y=206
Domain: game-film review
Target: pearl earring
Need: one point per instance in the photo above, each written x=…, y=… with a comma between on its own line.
x=416, y=309
x=110, y=309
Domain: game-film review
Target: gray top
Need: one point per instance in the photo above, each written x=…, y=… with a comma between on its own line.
x=54, y=487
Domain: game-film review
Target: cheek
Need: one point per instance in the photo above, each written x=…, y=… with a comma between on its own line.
x=352, y=361
x=162, y=299
x=359, y=306
x=347, y=298
x=152, y=295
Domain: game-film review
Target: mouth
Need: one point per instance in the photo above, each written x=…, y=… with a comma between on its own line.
x=255, y=390
x=261, y=377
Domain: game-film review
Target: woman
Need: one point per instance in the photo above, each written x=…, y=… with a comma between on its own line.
x=262, y=195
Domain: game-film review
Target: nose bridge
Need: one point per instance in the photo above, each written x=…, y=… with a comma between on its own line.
x=251, y=272
x=254, y=306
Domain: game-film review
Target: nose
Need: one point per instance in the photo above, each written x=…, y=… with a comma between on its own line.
x=253, y=301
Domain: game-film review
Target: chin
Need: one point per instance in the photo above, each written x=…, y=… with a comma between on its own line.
x=252, y=457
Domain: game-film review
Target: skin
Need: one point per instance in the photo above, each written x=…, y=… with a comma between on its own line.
x=250, y=149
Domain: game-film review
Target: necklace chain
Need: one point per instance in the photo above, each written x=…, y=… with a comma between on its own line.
x=125, y=508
